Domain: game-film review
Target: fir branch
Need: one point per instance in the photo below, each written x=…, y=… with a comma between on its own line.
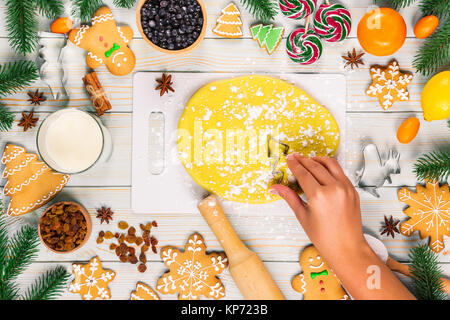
x=124, y=3
x=50, y=8
x=84, y=9
x=433, y=166
x=397, y=4
x=6, y=121
x=22, y=249
x=439, y=8
x=8, y=290
x=263, y=10
x=16, y=75
x=427, y=274
x=435, y=52
x=49, y=286
x=21, y=23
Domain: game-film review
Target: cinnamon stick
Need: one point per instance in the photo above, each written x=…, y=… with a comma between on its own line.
x=97, y=94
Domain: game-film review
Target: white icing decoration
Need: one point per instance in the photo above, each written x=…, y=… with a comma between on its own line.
x=316, y=267
x=122, y=35
x=102, y=18
x=80, y=34
x=93, y=56
x=117, y=54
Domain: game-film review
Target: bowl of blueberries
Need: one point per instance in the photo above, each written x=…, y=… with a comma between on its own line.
x=172, y=26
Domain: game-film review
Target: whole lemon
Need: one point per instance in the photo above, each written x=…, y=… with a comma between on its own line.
x=436, y=97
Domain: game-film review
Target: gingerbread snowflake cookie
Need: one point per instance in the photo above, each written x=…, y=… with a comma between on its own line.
x=91, y=280
x=429, y=212
x=318, y=281
x=193, y=272
x=389, y=84
x=144, y=292
x=106, y=43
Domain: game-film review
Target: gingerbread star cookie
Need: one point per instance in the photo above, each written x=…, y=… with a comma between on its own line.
x=106, y=43
x=389, y=84
x=144, y=292
x=318, y=281
x=31, y=183
x=91, y=280
x=429, y=212
x=193, y=272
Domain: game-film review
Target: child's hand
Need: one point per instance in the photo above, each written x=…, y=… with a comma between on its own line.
x=332, y=215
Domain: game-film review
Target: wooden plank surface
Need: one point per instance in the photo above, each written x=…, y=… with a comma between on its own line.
x=277, y=239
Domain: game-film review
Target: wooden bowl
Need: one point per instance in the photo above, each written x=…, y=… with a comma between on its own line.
x=86, y=216
x=185, y=50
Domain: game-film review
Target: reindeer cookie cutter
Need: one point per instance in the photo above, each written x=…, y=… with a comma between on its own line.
x=375, y=172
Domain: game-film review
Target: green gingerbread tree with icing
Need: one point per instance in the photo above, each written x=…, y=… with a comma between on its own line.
x=268, y=36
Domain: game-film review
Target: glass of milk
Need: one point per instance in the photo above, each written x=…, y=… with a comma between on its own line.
x=71, y=141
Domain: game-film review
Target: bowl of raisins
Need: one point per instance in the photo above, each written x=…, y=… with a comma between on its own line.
x=172, y=26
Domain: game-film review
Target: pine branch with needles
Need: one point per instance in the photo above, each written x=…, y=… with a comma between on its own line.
x=50, y=8
x=21, y=24
x=435, y=52
x=84, y=9
x=439, y=8
x=48, y=286
x=16, y=254
x=263, y=10
x=6, y=118
x=426, y=274
x=433, y=166
x=124, y=3
x=14, y=76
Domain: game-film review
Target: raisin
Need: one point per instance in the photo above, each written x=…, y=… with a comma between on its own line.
x=142, y=268
x=123, y=225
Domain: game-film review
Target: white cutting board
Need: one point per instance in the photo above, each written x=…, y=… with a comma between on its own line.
x=173, y=190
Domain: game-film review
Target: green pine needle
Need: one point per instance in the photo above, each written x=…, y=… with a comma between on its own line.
x=124, y=3
x=435, y=52
x=427, y=274
x=433, y=166
x=22, y=250
x=84, y=9
x=8, y=290
x=6, y=119
x=263, y=10
x=52, y=9
x=49, y=286
x=439, y=8
x=21, y=23
x=17, y=75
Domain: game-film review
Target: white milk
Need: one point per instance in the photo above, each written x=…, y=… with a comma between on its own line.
x=70, y=141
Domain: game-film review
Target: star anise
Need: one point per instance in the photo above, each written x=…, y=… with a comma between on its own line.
x=165, y=84
x=28, y=121
x=36, y=98
x=353, y=59
x=390, y=227
x=105, y=214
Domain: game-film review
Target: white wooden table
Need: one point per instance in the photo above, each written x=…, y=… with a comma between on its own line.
x=277, y=239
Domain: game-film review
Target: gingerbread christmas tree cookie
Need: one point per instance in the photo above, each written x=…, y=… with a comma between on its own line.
x=317, y=281
x=229, y=24
x=144, y=292
x=91, y=280
x=31, y=183
x=389, y=84
x=429, y=212
x=193, y=272
x=268, y=37
x=106, y=43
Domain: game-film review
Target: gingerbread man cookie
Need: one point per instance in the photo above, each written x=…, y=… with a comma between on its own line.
x=106, y=43
x=318, y=281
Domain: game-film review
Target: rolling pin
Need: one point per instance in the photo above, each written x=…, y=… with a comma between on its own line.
x=246, y=268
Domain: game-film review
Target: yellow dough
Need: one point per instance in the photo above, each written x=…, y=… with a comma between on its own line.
x=227, y=128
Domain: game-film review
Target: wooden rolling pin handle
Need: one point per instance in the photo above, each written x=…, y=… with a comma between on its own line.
x=404, y=269
x=247, y=269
